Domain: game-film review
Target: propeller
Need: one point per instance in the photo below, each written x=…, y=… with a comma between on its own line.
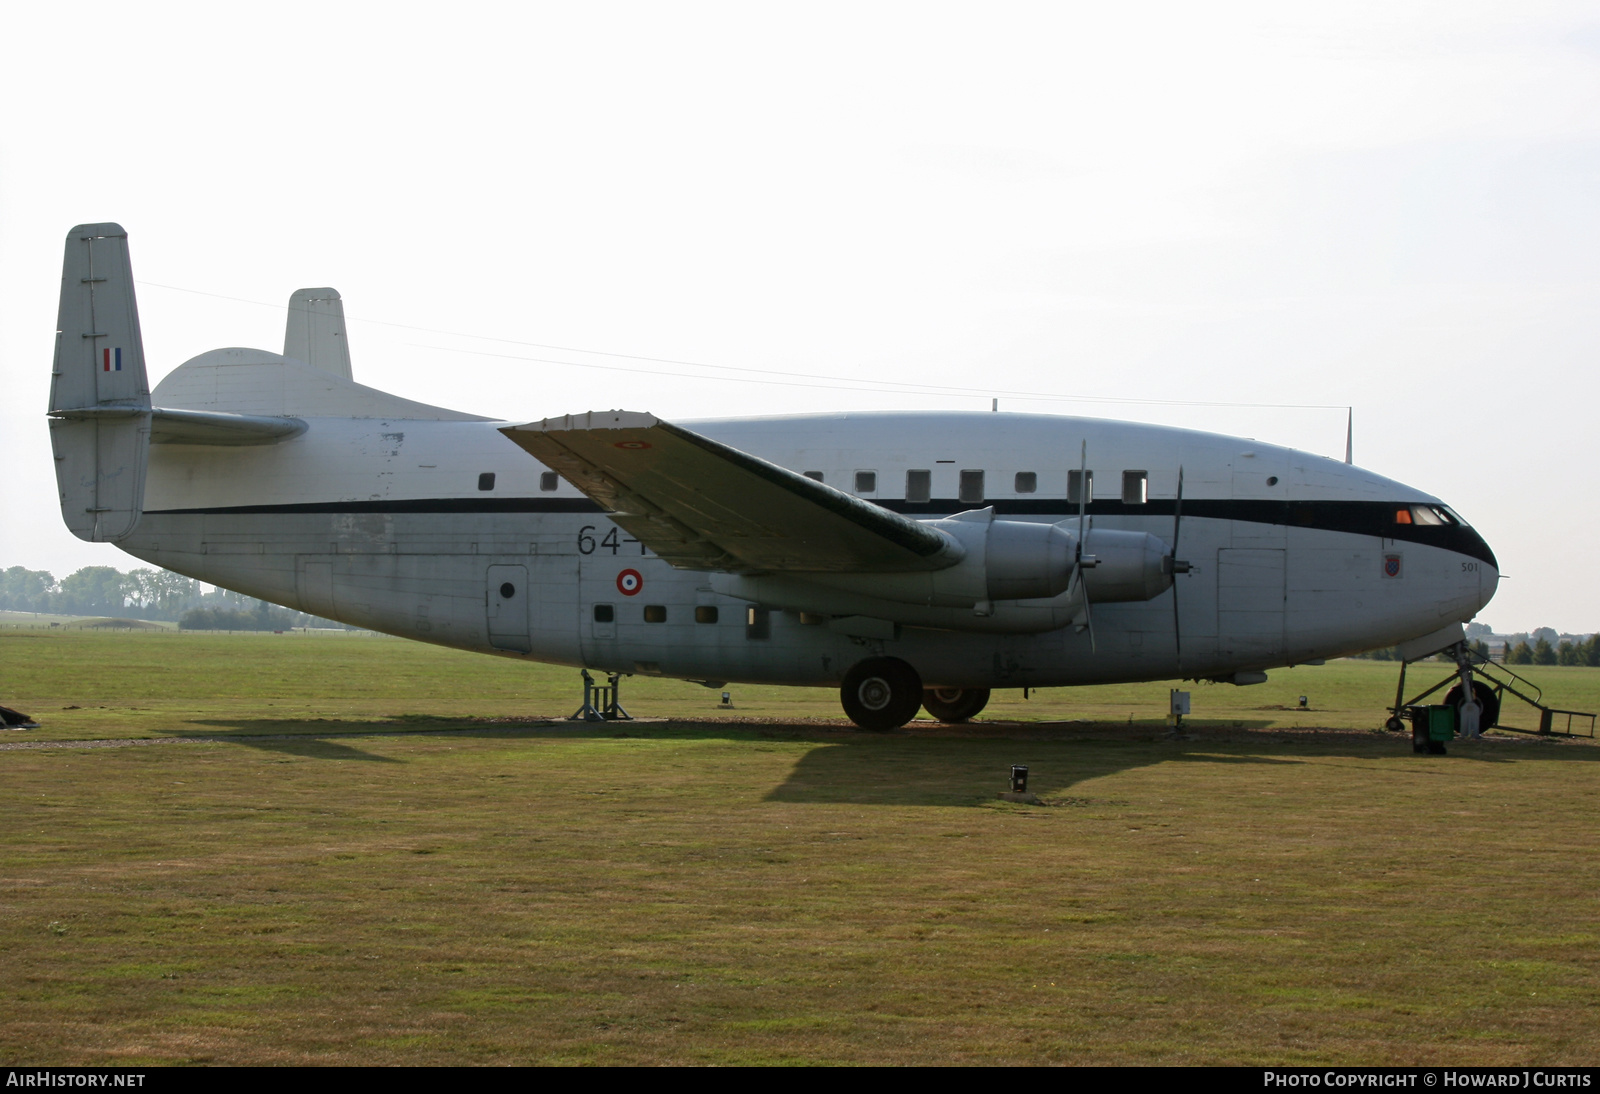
x=1173, y=565
x=1084, y=561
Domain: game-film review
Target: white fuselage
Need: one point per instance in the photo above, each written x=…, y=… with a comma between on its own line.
x=382, y=523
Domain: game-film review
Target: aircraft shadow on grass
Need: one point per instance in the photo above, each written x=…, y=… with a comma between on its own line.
x=921, y=765
x=872, y=771
x=331, y=739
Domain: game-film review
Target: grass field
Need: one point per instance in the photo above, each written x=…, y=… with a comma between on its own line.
x=373, y=851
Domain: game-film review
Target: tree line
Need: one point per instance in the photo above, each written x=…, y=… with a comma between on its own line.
x=1543, y=652
x=1520, y=650
x=145, y=593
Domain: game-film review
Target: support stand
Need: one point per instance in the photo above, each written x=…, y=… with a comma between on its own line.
x=600, y=701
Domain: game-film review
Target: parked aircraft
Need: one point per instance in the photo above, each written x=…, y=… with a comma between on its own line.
x=911, y=560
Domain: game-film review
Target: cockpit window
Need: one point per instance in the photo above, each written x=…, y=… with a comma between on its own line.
x=1426, y=515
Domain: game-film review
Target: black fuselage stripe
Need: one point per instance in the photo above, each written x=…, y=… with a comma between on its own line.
x=1367, y=518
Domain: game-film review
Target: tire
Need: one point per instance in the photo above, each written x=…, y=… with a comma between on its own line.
x=1488, y=703
x=954, y=705
x=1395, y=725
x=881, y=693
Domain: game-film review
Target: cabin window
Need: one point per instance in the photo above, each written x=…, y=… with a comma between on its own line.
x=757, y=623
x=655, y=613
x=919, y=485
x=971, y=487
x=1075, y=486
x=811, y=619
x=1135, y=487
x=604, y=613
x=486, y=481
x=814, y=475
x=1027, y=482
x=866, y=482
x=548, y=480
x=705, y=613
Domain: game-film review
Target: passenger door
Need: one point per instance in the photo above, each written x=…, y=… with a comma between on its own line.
x=507, y=598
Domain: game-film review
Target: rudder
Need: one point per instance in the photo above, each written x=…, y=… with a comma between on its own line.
x=99, y=395
x=315, y=331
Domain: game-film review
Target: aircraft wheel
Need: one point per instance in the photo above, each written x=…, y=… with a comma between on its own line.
x=1488, y=702
x=881, y=693
x=954, y=705
x=1394, y=725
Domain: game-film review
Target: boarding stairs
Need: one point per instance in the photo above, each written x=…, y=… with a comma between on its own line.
x=1500, y=680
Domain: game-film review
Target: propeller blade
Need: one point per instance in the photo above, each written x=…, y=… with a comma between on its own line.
x=1081, y=561
x=1177, y=512
x=1177, y=626
x=1083, y=493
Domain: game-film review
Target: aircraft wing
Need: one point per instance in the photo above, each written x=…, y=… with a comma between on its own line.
x=702, y=505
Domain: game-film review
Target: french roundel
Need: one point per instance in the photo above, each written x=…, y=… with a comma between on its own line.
x=632, y=445
x=629, y=582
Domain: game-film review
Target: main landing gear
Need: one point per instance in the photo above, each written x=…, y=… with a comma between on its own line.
x=881, y=693
x=954, y=705
x=884, y=693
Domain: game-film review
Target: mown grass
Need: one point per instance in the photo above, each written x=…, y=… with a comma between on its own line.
x=776, y=892
x=86, y=684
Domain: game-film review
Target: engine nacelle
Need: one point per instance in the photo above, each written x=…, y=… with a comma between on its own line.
x=1024, y=561
x=996, y=560
x=1128, y=566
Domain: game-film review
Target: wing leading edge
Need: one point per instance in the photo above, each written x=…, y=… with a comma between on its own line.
x=702, y=505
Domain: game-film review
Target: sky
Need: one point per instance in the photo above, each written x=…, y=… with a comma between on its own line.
x=542, y=208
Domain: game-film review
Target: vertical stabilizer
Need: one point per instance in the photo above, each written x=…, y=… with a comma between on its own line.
x=99, y=397
x=315, y=333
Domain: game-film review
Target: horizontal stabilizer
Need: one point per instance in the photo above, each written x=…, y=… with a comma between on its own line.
x=702, y=505
x=218, y=427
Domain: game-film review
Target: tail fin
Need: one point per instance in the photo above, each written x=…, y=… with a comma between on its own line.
x=99, y=397
x=315, y=332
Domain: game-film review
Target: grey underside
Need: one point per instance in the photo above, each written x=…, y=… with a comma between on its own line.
x=435, y=577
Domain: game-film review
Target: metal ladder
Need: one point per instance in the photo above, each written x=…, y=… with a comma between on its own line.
x=1518, y=686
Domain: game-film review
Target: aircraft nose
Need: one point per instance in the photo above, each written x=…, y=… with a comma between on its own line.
x=1488, y=582
x=1481, y=563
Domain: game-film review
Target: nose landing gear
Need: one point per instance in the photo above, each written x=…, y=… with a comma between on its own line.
x=1488, y=702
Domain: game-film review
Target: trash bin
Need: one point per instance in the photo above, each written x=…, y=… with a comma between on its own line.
x=1442, y=723
x=1431, y=727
